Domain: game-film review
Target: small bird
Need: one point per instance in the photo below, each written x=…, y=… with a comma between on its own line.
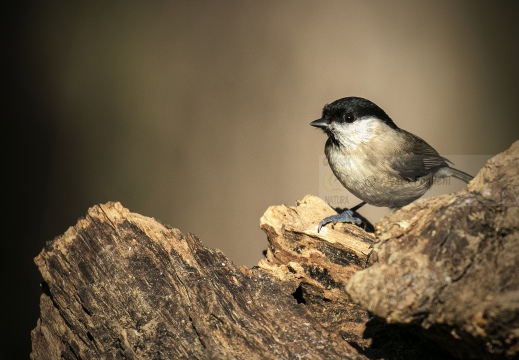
x=375, y=160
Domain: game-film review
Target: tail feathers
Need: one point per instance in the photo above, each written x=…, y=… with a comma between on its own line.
x=458, y=174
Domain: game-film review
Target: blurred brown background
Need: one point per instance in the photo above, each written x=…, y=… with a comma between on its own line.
x=196, y=112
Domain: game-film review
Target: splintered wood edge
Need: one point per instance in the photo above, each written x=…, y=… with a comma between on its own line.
x=361, y=247
x=304, y=217
x=264, y=306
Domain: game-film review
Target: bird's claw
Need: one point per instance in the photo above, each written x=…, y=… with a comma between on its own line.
x=345, y=217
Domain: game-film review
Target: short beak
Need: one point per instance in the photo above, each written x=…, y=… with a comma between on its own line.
x=320, y=123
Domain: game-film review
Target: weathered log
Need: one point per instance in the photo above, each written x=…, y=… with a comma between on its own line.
x=451, y=265
x=121, y=285
x=319, y=265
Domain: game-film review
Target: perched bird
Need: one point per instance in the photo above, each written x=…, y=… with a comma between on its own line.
x=375, y=160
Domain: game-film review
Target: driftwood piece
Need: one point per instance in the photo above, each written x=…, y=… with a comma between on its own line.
x=317, y=267
x=120, y=285
x=323, y=261
x=451, y=265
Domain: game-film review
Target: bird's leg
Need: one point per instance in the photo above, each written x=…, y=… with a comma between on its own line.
x=344, y=217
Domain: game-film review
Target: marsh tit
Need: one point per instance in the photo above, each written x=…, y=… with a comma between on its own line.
x=375, y=160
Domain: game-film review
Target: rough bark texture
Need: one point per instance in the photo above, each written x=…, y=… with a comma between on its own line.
x=450, y=265
x=120, y=285
x=317, y=267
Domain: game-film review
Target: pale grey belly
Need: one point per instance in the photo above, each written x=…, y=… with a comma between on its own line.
x=378, y=185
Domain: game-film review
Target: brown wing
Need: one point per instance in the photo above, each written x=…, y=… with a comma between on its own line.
x=419, y=159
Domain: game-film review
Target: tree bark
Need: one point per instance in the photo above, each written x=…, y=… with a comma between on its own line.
x=120, y=285
x=451, y=265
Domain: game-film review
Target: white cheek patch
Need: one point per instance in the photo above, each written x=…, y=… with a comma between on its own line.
x=358, y=132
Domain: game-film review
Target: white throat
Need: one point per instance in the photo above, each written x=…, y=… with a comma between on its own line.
x=359, y=132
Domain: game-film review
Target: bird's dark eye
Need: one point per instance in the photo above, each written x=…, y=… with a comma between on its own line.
x=349, y=118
